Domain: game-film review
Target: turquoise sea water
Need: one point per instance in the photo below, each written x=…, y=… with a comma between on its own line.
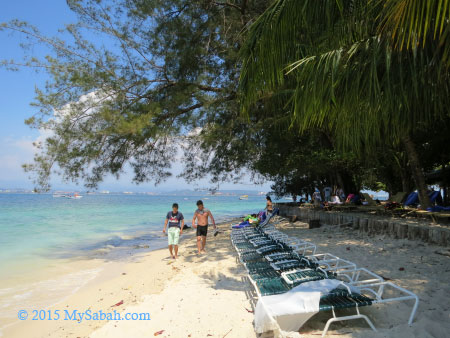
x=35, y=226
x=39, y=233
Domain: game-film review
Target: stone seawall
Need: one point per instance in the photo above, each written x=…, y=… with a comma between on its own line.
x=373, y=225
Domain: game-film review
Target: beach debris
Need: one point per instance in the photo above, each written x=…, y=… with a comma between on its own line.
x=401, y=269
x=293, y=218
x=249, y=311
x=443, y=252
x=118, y=304
x=209, y=335
x=141, y=247
x=347, y=248
x=157, y=333
x=227, y=333
x=385, y=278
x=123, y=273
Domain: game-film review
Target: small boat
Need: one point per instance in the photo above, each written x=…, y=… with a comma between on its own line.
x=60, y=194
x=243, y=197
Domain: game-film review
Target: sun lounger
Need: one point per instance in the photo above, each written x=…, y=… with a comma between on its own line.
x=277, y=269
x=289, y=264
x=302, y=276
x=278, y=256
x=273, y=286
x=330, y=262
x=250, y=257
x=345, y=296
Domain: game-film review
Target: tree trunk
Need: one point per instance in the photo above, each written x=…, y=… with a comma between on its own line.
x=417, y=173
x=405, y=184
x=341, y=183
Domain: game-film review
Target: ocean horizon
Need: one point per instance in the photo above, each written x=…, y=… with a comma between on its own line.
x=43, y=235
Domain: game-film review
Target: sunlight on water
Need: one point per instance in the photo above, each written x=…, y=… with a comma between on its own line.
x=41, y=234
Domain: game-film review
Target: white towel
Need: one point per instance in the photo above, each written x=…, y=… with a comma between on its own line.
x=290, y=310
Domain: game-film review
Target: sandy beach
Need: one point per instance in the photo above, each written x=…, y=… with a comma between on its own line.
x=194, y=295
x=208, y=295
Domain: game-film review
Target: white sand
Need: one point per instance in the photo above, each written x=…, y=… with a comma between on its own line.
x=203, y=294
x=207, y=296
x=425, y=273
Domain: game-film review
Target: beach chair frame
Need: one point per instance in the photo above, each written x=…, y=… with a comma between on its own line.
x=366, y=281
x=377, y=290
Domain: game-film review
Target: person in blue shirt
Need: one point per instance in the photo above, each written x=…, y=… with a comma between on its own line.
x=175, y=220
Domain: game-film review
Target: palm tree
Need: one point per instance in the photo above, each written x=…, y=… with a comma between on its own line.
x=414, y=23
x=349, y=67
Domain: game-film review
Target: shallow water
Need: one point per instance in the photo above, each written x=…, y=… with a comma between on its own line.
x=40, y=234
x=35, y=227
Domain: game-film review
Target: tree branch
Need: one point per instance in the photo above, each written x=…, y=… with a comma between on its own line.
x=228, y=4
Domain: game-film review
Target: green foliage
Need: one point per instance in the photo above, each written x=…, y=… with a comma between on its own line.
x=305, y=93
x=129, y=80
x=338, y=65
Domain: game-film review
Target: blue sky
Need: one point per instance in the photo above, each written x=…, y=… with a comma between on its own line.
x=17, y=90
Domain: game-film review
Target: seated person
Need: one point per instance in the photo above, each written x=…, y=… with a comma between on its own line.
x=335, y=200
x=269, y=206
x=353, y=199
x=349, y=199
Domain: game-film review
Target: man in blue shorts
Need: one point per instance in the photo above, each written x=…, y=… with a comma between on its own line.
x=175, y=220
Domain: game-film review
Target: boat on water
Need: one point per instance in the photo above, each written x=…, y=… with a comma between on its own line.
x=243, y=197
x=61, y=194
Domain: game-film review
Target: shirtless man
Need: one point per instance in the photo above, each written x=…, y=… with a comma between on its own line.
x=202, y=214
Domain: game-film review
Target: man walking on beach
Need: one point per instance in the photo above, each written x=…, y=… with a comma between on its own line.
x=202, y=215
x=175, y=220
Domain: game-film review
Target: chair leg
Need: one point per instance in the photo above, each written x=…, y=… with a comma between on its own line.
x=413, y=312
x=340, y=319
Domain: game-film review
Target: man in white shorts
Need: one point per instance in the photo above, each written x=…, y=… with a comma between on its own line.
x=175, y=220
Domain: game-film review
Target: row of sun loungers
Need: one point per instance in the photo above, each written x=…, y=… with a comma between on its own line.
x=278, y=264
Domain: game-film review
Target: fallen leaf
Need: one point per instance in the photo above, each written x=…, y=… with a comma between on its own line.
x=157, y=333
x=385, y=278
x=118, y=304
x=442, y=252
